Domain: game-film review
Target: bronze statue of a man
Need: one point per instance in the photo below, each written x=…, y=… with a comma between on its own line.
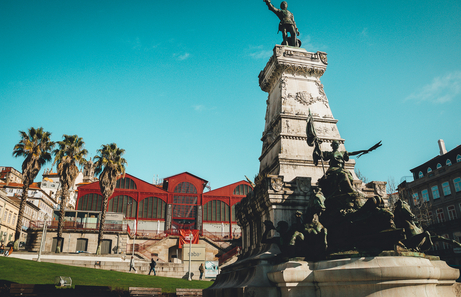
x=287, y=24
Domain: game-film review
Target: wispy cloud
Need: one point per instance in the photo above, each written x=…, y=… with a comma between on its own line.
x=137, y=44
x=365, y=37
x=258, y=52
x=441, y=90
x=202, y=108
x=307, y=44
x=181, y=57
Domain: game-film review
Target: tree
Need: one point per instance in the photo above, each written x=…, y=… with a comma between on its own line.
x=391, y=190
x=360, y=176
x=109, y=164
x=36, y=147
x=68, y=155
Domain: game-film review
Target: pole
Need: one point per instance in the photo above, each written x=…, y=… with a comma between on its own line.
x=43, y=239
x=134, y=239
x=190, y=250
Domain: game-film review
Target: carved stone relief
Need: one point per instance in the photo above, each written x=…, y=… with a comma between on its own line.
x=323, y=97
x=323, y=57
x=304, y=98
x=303, y=185
x=277, y=184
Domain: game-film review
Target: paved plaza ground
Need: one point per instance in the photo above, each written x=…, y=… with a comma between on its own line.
x=73, y=257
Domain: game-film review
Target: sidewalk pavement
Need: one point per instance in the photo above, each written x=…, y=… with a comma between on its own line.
x=73, y=257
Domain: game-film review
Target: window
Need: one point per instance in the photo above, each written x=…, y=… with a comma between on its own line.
x=123, y=204
x=429, y=169
x=425, y=195
x=415, y=198
x=446, y=189
x=457, y=182
x=451, y=212
x=448, y=162
x=186, y=188
x=90, y=202
x=445, y=244
x=458, y=158
x=457, y=236
x=152, y=208
x=440, y=216
x=234, y=212
x=435, y=192
x=420, y=174
x=9, y=217
x=125, y=183
x=216, y=211
x=242, y=190
x=439, y=165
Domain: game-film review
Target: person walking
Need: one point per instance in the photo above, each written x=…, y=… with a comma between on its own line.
x=132, y=264
x=202, y=270
x=152, y=266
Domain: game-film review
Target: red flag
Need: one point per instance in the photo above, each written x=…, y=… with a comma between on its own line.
x=184, y=237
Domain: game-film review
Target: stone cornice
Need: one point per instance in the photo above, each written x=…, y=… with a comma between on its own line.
x=296, y=61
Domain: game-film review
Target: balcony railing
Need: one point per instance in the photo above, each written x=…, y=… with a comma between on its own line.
x=150, y=234
x=79, y=226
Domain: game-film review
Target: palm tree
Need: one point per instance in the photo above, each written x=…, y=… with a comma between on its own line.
x=68, y=155
x=110, y=164
x=36, y=147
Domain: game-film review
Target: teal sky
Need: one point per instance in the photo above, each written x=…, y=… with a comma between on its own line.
x=175, y=83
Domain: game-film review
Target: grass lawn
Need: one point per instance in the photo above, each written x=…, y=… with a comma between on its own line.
x=30, y=272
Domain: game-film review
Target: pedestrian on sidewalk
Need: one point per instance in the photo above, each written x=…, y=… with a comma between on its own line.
x=202, y=270
x=152, y=266
x=132, y=264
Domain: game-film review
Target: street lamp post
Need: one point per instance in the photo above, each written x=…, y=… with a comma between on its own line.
x=134, y=239
x=43, y=239
x=190, y=254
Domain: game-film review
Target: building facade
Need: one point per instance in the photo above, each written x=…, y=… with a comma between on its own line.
x=179, y=203
x=435, y=198
x=8, y=218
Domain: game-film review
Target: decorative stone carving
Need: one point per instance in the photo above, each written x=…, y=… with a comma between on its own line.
x=323, y=57
x=304, y=98
x=277, y=184
x=303, y=185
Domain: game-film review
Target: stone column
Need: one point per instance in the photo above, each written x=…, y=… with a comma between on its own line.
x=292, y=80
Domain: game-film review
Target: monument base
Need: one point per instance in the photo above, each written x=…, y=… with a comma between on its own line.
x=365, y=276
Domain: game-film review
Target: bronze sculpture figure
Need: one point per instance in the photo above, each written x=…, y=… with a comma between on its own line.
x=287, y=24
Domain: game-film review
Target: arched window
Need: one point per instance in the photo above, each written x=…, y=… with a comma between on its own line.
x=448, y=162
x=125, y=183
x=429, y=169
x=439, y=165
x=216, y=211
x=123, y=204
x=186, y=188
x=458, y=158
x=234, y=212
x=242, y=190
x=90, y=202
x=420, y=174
x=152, y=208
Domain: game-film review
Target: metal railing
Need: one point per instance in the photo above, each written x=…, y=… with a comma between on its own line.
x=79, y=226
x=229, y=254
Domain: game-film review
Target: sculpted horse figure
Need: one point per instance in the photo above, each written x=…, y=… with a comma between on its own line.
x=415, y=237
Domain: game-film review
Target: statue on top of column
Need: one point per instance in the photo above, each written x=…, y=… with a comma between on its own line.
x=287, y=24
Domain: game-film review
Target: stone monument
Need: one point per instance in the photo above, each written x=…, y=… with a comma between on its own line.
x=311, y=229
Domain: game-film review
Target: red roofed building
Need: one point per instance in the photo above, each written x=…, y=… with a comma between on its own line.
x=180, y=203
